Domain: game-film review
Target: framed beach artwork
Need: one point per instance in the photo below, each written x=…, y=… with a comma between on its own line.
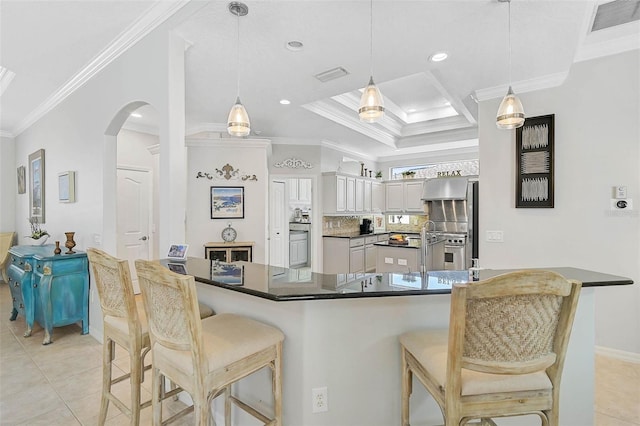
x=534, y=163
x=227, y=202
x=36, y=186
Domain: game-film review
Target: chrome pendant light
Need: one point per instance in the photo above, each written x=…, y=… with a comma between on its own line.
x=510, y=113
x=371, y=103
x=238, y=123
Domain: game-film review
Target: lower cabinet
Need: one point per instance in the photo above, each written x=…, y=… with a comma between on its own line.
x=52, y=290
x=229, y=252
x=397, y=259
x=298, y=249
x=344, y=255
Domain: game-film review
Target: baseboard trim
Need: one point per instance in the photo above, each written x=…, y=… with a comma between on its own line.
x=618, y=354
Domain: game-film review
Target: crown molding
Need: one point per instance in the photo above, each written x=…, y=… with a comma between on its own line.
x=545, y=82
x=606, y=48
x=141, y=128
x=332, y=145
x=155, y=16
x=327, y=110
x=229, y=143
x=206, y=128
x=6, y=134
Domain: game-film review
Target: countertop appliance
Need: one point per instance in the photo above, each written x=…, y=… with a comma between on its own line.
x=366, y=227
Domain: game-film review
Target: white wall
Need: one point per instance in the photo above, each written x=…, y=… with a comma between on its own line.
x=9, y=184
x=248, y=156
x=75, y=137
x=597, y=144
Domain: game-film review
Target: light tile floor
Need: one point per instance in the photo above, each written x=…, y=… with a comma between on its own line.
x=59, y=384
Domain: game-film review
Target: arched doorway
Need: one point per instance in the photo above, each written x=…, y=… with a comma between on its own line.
x=133, y=165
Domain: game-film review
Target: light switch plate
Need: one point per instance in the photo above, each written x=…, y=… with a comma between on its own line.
x=495, y=236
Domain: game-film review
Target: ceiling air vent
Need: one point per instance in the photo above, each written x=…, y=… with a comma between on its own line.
x=615, y=13
x=331, y=74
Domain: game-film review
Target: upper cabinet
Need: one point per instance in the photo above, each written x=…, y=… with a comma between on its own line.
x=299, y=190
x=344, y=194
x=404, y=196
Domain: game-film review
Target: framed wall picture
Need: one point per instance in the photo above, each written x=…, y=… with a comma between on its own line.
x=227, y=202
x=22, y=180
x=37, y=186
x=67, y=187
x=535, y=163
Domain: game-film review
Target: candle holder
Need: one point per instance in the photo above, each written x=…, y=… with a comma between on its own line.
x=70, y=244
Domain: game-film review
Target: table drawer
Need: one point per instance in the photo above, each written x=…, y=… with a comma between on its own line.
x=356, y=242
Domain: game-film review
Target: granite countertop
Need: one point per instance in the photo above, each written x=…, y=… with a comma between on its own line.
x=282, y=284
x=414, y=243
x=354, y=234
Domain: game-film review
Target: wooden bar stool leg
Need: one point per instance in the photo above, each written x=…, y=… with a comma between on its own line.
x=107, y=357
x=277, y=386
x=134, y=380
x=227, y=406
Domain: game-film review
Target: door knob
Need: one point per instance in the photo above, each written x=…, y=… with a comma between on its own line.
x=144, y=238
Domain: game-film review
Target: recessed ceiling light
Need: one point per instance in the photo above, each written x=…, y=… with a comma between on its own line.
x=136, y=115
x=294, y=45
x=437, y=57
x=411, y=110
x=285, y=101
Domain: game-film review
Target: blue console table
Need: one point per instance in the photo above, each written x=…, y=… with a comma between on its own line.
x=50, y=289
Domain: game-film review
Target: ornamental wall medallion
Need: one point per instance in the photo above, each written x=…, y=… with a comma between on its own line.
x=294, y=163
x=227, y=172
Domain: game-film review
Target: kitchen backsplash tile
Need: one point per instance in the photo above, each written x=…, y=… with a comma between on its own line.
x=336, y=225
x=414, y=225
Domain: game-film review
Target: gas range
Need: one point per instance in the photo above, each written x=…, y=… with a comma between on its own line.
x=454, y=239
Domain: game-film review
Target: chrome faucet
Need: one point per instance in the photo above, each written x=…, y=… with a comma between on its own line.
x=430, y=222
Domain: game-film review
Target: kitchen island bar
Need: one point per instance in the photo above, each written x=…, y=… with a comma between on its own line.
x=342, y=334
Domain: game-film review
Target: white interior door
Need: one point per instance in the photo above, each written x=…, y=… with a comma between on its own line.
x=278, y=249
x=134, y=212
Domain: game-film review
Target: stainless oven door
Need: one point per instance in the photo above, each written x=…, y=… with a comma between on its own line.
x=454, y=257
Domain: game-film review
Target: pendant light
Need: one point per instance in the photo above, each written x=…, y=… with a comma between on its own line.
x=238, y=123
x=510, y=113
x=371, y=103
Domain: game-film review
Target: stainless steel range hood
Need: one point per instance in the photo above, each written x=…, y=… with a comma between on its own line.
x=450, y=188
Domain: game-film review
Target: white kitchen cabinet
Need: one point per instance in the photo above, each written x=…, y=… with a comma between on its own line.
x=299, y=190
x=404, y=196
x=359, y=196
x=298, y=249
x=334, y=193
x=370, y=253
x=343, y=255
x=377, y=197
x=394, y=195
x=351, y=195
x=413, y=196
x=343, y=194
x=397, y=259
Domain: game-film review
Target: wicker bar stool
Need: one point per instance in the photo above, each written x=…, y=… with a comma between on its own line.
x=204, y=357
x=503, y=353
x=124, y=323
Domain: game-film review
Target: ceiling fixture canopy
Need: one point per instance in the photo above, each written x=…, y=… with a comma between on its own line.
x=371, y=103
x=510, y=113
x=238, y=123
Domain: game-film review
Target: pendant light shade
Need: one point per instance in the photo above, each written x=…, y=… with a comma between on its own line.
x=371, y=103
x=510, y=113
x=238, y=123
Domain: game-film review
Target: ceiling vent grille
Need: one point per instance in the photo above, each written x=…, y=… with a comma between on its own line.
x=331, y=74
x=615, y=13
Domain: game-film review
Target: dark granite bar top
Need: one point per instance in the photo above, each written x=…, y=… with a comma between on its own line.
x=282, y=284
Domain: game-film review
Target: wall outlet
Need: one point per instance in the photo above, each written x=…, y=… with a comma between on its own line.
x=495, y=236
x=388, y=260
x=319, y=400
x=402, y=262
